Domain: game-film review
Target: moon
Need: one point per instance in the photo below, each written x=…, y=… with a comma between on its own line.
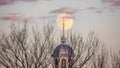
x=65, y=18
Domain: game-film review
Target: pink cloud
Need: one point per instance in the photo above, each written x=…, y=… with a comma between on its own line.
x=92, y=8
x=95, y=9
x=28, y=0
x=16, y=18
x=113, y=2
x=13, y=17
x=68, y=10
x=6, y=2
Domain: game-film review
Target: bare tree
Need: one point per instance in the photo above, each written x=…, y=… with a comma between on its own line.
x=84, y=48
x=100, y=58
x=115, y=60
x=29, y=48
x=20, y=50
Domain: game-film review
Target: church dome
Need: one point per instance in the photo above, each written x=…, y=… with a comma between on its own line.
x=63, y=49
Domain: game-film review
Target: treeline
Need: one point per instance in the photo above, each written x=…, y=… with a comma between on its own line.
x=26, y=47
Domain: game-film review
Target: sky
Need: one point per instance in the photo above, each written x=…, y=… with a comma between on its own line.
x=101, y=16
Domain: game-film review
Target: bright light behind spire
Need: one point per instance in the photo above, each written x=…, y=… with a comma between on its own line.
x=66, y=19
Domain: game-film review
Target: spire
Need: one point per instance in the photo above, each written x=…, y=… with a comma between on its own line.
x=63, y=39
x=63, y=27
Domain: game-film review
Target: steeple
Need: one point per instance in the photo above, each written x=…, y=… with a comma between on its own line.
x=63, y=53
x=63, y=39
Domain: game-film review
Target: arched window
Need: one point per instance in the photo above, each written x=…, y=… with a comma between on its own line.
x=63, y=63
x=56, y=63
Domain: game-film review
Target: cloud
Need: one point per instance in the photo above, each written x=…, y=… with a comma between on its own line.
x=68, y=17
x=116, y=4
x=92, y=8
x=46, y=17
x=12, y=17
x=113, y=2
x=99, y=11
x=68, y=10
x=95, y=9
x=13, y=13
x=28, y=0
x=6, y=2
x=15, y=18
x=71, y=10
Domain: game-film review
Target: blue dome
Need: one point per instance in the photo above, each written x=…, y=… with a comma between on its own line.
x=64, y=47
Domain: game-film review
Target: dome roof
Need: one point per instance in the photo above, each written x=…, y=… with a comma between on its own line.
x=63, y=48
